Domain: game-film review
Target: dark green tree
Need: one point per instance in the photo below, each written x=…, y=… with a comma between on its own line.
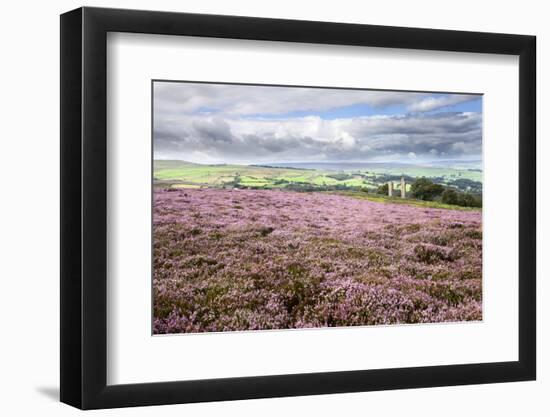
x=383, y=189
x=449, y=197
x=468, y=200
x=424, y=189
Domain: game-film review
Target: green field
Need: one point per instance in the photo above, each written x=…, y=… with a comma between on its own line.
x=181, y=174
x=432, y=172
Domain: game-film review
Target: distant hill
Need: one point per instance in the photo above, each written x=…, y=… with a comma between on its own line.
x=308, y=175
x=352, y=166
x=171, y=163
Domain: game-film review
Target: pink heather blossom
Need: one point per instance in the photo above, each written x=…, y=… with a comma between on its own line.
x=268, y=259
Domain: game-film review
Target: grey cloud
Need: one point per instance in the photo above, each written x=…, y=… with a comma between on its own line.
x=210, y=123
x=450, y=134
x=216, y=130
x=178, y=98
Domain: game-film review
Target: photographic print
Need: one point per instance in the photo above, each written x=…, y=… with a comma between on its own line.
x=282, y=207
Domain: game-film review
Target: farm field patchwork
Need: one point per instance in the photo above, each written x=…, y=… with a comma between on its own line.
x=187, y=174
x=250, y=259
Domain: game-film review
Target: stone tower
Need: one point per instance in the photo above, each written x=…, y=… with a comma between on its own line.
x=390, y=188
x=403, y=188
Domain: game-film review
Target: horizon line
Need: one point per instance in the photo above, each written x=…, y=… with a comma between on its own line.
x=321, y=162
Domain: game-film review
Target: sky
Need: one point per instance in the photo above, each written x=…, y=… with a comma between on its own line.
x=253, y=124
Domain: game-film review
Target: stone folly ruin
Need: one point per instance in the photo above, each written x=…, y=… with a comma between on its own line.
x=403, y=188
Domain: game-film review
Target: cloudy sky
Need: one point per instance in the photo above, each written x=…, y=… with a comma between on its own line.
x=221, y=123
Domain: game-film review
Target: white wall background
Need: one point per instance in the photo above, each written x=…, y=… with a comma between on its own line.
x=29, y=225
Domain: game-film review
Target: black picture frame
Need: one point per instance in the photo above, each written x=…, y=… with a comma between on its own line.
x=84, y=207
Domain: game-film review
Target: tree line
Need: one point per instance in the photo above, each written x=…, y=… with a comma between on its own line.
x=424, y=189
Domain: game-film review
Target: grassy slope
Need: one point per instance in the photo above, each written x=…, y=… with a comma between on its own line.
x=379, y=198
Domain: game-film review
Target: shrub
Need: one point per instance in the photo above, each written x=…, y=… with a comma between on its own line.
x=449, y=197
x=383, y=189
x=468, y=200
x=432, y=254
x=264, y=231
x=424, y=189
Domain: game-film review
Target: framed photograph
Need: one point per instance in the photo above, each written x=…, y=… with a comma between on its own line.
x=257, y=208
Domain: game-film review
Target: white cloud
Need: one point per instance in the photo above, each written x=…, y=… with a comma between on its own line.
x=214, y=122
x=247, y=100
x=434, y=103
x=313, y=139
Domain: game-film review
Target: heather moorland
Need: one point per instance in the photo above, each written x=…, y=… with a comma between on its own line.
x=233, y=259
x=291, y=207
